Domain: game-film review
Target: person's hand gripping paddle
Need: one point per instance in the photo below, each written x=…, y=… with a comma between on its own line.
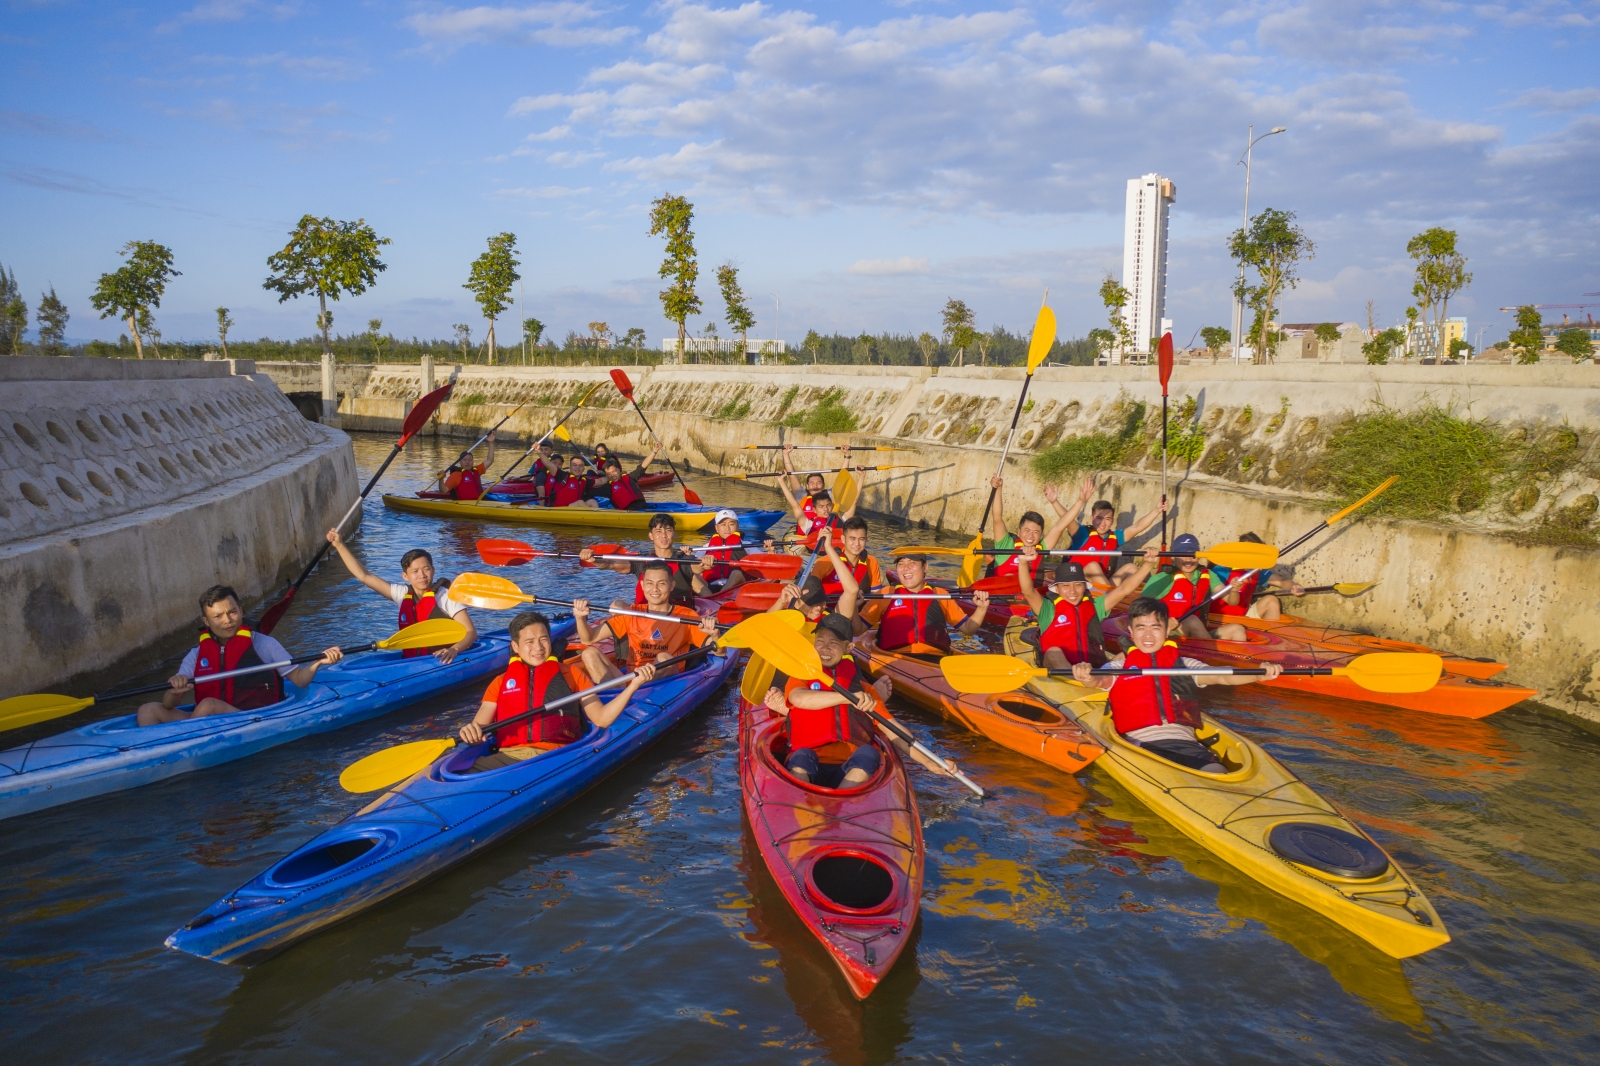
x=625, y=387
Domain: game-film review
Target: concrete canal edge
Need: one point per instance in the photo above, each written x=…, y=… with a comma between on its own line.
x=129, y=486
x=1476, y=586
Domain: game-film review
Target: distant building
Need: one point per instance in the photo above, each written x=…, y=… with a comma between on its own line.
x=1144, y=261
x=763, y=349
x=1552, y=330
x=1301, y=342
x=1422, y=342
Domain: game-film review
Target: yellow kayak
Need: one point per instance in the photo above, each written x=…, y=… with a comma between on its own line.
x=1257, y=815
x=687, y=519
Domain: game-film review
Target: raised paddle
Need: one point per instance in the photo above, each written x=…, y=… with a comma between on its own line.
x=1164, y=369
x=1350, y=588
x=1383, y=671
x=1235, y=555
x=808, y=473
x=420, y=413
x=788, y=651
x=625, y=387
x=846, y=490
x=1044, y=337
x=497, y=594
x=556, y=429
x=486, y=434
x=515, y=553
x=1331, y=520
x=821, y=448
x=19, y=711
x=931, y=549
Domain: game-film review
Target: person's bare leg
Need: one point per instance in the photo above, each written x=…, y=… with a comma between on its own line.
x=1268, y=608
x=1231, y=631
x=157, y=713
x=855, y=777
x=1094, y=571
x=1192, y=627
x=1056, y=659
x=598, y=666
x=733, y=579
x=1123, y=571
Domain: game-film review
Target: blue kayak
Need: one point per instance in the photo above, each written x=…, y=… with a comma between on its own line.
x=439, y=817
x=117, y=753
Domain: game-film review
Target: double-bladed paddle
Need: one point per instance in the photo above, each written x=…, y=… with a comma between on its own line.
x=1383, y=671
x=486, y=433
x=420, y=413
x=1164, y=371
x=19, y=711
x=1235, y=555
x=786, y=650
x=808, y=473
x=822, y=448
x=515, y=553
x=558, y=430
x=624, y=386
x=1349, y=588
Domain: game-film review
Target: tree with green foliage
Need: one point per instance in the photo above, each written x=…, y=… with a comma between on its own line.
x=463, y=339
x=224, y=324
x=375, y=335
x=1215, y=337
x=132, y=290
x=532, y=329
x=1378, y=349
x=13, y=313
x=1441, y=274
x=634, y=338
x=1458, y=345
x=1120, y=340
x=1273, y=246
x=52, y=318
x=957, y=322
x=1104, y=341
x=490, y=280
x=672, y=217
x=812, y=344
x=1412, y=316
x=738, y=315
x=327, y=257
x=1575, y=343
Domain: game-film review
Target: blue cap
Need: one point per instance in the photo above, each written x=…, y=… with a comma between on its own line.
x=1186, y=542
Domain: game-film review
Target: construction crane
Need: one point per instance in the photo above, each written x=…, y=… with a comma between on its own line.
x=1555, y=307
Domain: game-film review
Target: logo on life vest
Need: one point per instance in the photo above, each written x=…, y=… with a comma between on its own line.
x=817, y=685
x=899, y=603
x=511, y=683
x=205, y=662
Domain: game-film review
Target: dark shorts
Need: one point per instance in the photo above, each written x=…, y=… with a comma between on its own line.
x=865, y=758
x=1189, y=753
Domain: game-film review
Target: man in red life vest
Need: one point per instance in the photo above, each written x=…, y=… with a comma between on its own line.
x=534, y=677
x=1186, y=583
x=903, y=623
x=623, y=489
x=814, y=484
x=1161, y=714
x=1245, y=597
x=574, y=488
x=635, y=640
x=686, y=580
x=1069, y=614
x=865, y=569
x=464, y=479
x=1030, y=530
x=811, y=600
x=1099, y=534
x=724, y=547
x=419, y=597
x=226, y=643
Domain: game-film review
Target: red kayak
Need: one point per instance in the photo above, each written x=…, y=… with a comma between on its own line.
x=849, y=861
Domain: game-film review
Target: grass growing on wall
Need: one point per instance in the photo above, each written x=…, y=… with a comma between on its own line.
x=829, y=416
x=1095, y=451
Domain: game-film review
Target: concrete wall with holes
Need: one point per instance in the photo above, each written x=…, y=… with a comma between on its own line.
x=127, y=487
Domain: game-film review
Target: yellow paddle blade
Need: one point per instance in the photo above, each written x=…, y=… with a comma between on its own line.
x=488, y=591
x=758, y=675
x=392, y=765
x=19, y=711
x=985, y=674
x=793, y=619
x=1393, y=671
x=771, y=638
x=434, y=633
x=1242, y=555
x=561, y=433
x=1353, y=588
x=972, y=565
x=1044, y=337
x=926, y=549
x=1339, y=516
x=845, y=491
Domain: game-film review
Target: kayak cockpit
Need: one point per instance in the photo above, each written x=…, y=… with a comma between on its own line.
x=775, y=752
x=330, y=854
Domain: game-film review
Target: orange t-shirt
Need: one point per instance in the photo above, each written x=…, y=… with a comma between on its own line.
x=646, y=637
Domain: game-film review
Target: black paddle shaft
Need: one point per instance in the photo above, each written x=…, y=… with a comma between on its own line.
x=1016, y=416
x=301, y=660
x=1197, y=608
x=1220, y=671
x=664, y=455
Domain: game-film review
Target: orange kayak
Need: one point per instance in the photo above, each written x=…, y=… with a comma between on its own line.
x=1017, y=720
x=1332, y=638
x=1455, y=694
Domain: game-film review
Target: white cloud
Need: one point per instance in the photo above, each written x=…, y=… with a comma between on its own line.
x=883, y=267
x=560, y=24
x=226, y=11
x=1554, y=102
x=554, y=133
x=547, y=192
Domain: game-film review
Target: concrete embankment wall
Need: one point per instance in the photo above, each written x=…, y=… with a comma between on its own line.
x=127, y=487
x=1472, y=584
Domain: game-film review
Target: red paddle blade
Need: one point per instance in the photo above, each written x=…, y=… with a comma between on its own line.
x=271, y=616
x=730, y=614
x=421, y=411
x=692, y=497
x=758, y=595
x=624, y=386
x=774, y=567
x=605, y=549
x=1164, y=357
x=506, y=552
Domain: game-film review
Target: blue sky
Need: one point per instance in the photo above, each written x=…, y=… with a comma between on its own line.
x=863, y=161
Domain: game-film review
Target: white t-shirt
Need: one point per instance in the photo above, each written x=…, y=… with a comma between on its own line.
x=268, y=649
x=441, y=599
x=1171, y=731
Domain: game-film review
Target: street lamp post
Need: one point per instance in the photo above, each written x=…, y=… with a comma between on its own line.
x=775, y=328
x=1238, y=301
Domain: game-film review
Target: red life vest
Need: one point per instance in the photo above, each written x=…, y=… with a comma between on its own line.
x=412, y=611
x=261, y=689
x=860, y=571
x=1247, y=593
x=1096, y=542
x=1006, y=565
x=625, y=494
x=1074, y=628
x=814, y=727
x=1185, y=593
x=470, y=487
x=807, y=509
x=719, y=561
x=913, y=622
x=521, y=690
x=814, y=531
x=1140, y=702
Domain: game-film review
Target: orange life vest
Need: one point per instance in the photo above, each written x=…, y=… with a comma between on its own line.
x=720, y=568
x=1247, y=593
x=815, y=727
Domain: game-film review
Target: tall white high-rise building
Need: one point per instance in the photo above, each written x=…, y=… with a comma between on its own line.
x=1144, y=259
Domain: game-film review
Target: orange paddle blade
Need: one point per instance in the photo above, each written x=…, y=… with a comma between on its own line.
x=758, y=595
x=772, y=567
x=692, y=497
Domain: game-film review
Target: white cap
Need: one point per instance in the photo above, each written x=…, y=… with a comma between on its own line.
x=726, y=512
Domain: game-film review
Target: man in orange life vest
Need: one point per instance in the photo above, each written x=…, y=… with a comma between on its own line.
x=226, y=643
x=1185, y=584
x=902, y=623
x=418, y=597
x=1100, y=536
x=724, y=547
x=534, y=677
x=623, y=489
x=642, y=640
x=464, y=479
x=814, y=483
x=686, y=579
x=1161, y=714
x=1069, y=614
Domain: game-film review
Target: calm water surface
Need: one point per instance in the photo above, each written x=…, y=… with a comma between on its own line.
x=1060, y=920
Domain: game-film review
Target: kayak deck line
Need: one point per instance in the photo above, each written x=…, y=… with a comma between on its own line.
x=687, y=518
